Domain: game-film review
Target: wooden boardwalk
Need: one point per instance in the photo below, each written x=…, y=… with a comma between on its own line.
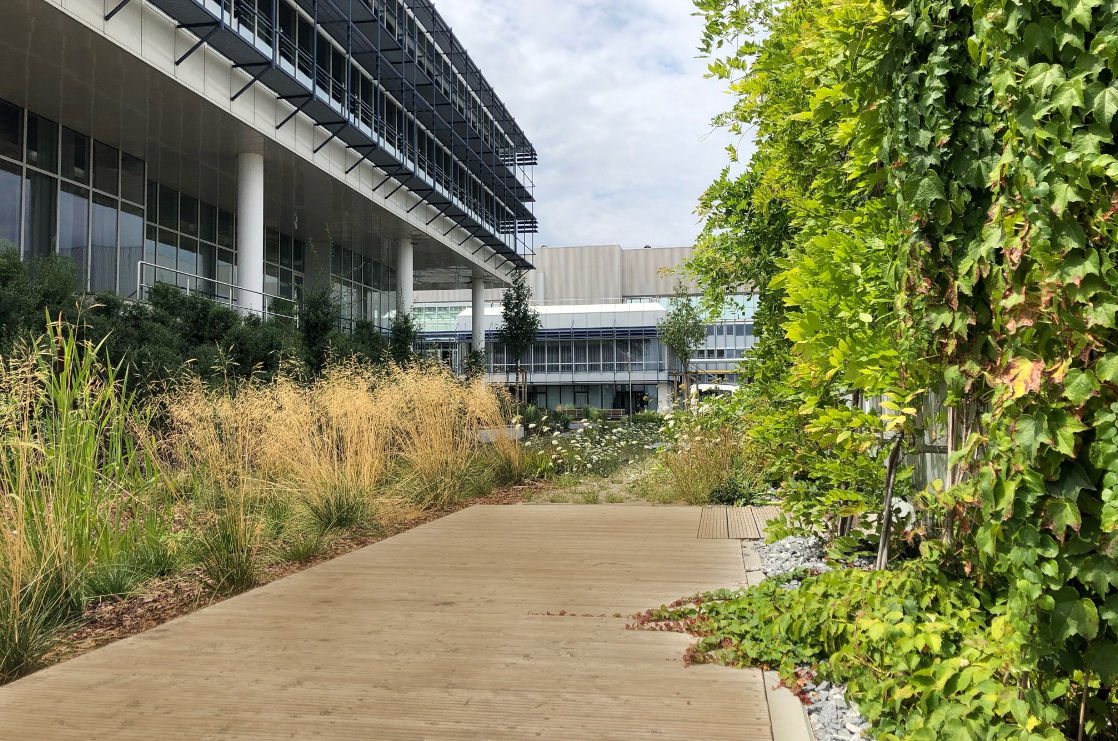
x=493, y=623
x=740, y=523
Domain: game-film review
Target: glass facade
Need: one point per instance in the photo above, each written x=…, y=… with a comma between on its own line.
x=62, y=192
x=437, y=318
x=362, y=287
x=191, y=243
x=581, y=355
x=284, y=265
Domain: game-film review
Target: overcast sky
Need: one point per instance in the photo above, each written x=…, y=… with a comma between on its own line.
x=612, y=95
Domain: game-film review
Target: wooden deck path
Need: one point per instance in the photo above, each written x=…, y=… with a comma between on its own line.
x=492, y=623
x=740, y=523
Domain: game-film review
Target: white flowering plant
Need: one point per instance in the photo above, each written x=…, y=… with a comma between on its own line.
x=593, y=450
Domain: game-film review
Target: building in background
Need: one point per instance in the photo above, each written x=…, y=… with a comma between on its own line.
x=598, y=345
x=249, y=150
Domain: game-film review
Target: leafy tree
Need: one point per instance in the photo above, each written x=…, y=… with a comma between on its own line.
x=739, y=250
x=318, y=323
x=519, y=325
x=368, y=343
x=401, y=340
x=682, y=330
x=473, y=365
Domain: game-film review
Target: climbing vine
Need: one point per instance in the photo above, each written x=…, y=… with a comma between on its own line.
x=930, y=211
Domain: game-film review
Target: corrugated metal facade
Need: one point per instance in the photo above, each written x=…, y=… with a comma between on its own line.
x=602, y=273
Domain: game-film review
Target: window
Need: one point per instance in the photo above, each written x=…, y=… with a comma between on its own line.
x=11, y=187
x=11, y=131
x=106, y=168
x=73, y=227
x=131, y=248
x=103, y=252
x=188, y=214
x=75, y=156
x=132, y=179
x=42, y=143
x=38, y=214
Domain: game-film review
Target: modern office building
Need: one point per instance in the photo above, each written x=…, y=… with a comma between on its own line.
x=251, y=149
x=598, y=345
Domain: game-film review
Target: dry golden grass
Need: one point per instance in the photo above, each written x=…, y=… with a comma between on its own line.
x=698, y=465
x=404, y=439
x=89, y=496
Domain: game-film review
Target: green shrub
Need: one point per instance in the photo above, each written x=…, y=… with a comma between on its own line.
x=920, y=653
x=30, y=291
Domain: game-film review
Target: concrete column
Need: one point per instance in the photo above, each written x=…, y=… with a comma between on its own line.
x=477, y=309
x=405, y=276
x=250, y=231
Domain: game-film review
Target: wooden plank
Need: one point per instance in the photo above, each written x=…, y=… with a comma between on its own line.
x=742, y=524
x=762, y=515
x=493, y=623
x=714, y=522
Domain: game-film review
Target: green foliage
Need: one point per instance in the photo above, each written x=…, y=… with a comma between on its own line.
x=597, y=450
x=932, y=200
x=318, y=322
x=30, y=291
x=591, y=414
x=227, y=550
x=919, y=648
x=536, y=421
x=340, y=508
x=474, y=364
x=520, y=323
x=402, y=338
x=682, y=330
x=36, y=608
x=737, y=252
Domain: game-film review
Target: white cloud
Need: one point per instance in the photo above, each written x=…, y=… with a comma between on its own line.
x=612, y=95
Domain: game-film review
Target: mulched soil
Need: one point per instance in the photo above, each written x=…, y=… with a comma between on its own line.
x=163, y=600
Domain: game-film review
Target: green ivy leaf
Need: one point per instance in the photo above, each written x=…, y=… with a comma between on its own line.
x=1059, y=515
x=1105, y=105
x=928, y=191
x=1079, y=386
x=1107, y=368
x=1103, y=659
x=1074, y=616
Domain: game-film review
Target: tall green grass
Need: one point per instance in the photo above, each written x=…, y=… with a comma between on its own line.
x=76, y=474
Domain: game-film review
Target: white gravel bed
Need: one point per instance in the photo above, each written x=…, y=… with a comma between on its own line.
x=832, y=719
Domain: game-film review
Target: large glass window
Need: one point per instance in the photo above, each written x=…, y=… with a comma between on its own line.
x=38, y=214
x=11, y=186
x=106, y=168
x=75, y=156
x=103, y=256
x=132, y=179
x=11, y=131
x=73, y=227
x=42, y=143
x=131, y=248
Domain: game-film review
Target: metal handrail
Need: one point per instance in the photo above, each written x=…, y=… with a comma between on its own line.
x=196, y=285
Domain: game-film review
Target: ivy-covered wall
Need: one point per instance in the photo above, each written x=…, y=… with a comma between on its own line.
x=932, y=205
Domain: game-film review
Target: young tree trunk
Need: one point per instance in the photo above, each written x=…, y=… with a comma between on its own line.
x=949, y=476
x=887, y=511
